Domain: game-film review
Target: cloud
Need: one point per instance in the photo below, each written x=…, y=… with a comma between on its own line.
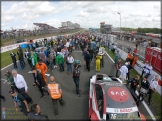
x=7, y=18
x=139, y=13
x=96, y=10
x=45, y=8
x=83, y=14
x=29, y=16
x=157, y=6
x=158, y=19
x=84, y=4
x=115, y=10
x=54, y=22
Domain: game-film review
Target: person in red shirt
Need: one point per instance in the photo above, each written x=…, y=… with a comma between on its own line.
x=135, y=51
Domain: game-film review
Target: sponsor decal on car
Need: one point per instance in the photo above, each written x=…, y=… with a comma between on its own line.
x=121, y=110
x=118, y=94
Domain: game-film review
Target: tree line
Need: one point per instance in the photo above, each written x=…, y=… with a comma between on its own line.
x=143, y=30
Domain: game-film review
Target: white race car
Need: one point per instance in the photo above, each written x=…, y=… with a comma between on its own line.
x=109, y=99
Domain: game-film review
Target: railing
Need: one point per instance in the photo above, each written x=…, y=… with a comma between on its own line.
x=141, y=55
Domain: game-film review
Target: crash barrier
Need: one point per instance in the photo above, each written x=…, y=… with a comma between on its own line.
x=125, y=48
x=139, y=67
x=24, y=44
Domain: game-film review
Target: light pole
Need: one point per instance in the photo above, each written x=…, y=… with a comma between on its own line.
x=120, y=21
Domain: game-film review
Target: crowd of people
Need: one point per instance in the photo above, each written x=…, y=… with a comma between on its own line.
x=125, y=70
x=59, y=52
x=52, y=54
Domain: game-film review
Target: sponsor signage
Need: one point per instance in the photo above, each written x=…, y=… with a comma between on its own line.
x=126, y=110
x=121, y=110
x=118, y=94
x=114, y=84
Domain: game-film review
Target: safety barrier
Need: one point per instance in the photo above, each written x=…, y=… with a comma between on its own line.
x=24, y=44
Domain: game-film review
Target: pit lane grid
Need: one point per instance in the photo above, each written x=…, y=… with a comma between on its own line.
x=75, y=107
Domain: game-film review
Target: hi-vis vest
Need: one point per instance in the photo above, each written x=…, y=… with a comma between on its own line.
x=54, y=91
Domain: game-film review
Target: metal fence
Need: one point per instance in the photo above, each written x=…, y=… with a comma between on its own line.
x=126, y=48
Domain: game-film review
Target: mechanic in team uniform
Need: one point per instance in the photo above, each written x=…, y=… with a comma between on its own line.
x=134, y=83
x=76, y=77
x=98, y=61
x=55, y=94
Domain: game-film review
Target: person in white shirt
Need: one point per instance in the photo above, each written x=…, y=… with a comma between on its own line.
x=153, y=86
x=21, y=85
x=144, y=68
x=70, y=61
x=124, y=71
x=67, y=44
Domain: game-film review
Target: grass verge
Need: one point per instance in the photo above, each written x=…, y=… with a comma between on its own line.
x=5, y=42
x=156, y=97
x=6, y=59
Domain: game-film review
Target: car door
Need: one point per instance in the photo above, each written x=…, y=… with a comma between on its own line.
x=98, y=96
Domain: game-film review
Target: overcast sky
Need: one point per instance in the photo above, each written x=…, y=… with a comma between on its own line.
x=22, y=15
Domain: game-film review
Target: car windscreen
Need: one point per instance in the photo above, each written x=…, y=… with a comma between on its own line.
x=107, y=79
x=134, y=116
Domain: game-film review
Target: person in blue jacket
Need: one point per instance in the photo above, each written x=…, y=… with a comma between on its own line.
x=45, y=52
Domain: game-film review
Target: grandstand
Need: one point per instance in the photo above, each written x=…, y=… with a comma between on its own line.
x=43, y=26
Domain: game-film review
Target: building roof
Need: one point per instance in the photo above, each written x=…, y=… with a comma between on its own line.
x=102, y=23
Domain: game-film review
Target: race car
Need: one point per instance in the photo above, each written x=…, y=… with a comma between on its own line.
x=109, y=99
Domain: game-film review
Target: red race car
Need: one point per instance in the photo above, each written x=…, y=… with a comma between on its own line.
x=109, y=99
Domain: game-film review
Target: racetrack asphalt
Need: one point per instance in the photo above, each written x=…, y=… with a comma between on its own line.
x=75, y=108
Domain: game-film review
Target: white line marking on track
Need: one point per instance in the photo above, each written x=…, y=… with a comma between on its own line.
x=7, y=66
x=143, y=102
x=110, y=57
x=4, y=80
x=147, y=108
x=47, y=74
x=30, y=72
